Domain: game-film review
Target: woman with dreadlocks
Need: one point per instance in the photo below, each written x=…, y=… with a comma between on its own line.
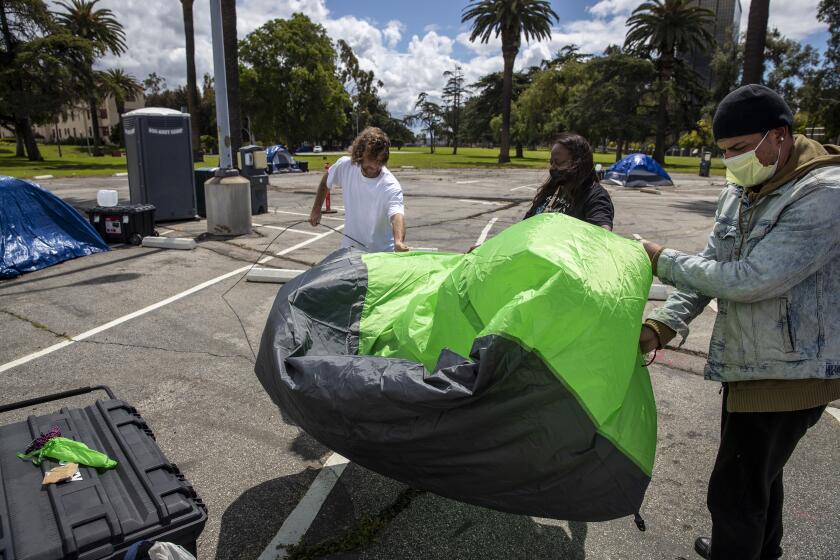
x=572, y=187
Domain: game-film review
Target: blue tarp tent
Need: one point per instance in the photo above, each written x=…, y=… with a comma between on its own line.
x=637, y=170
x=38, y=229
x=280, y=160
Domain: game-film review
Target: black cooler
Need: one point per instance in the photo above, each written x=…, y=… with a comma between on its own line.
x=145, y=497
x=123, y=224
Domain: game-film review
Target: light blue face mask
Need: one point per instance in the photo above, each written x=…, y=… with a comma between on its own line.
x=746, y=169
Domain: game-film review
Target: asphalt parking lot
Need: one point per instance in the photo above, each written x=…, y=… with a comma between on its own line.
x=152, y=324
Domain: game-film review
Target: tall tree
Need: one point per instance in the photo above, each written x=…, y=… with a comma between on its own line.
x=122, y=87
x=661, y=29
x=39, y=76
x=511, y=20
x=454, y=94
x=486, y=102
x=290, y=84
x=192, y=87
x=232, y=74
x=756, y=41
x=99, y=26
x=790, y=63
x=429, y=115
x=363, y=87
x=826, y=99
x=154, y=84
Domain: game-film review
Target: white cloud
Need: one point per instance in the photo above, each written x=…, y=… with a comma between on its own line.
x=796, y=20
x=155, y=37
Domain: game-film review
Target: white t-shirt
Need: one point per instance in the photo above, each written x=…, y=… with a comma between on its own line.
x=368, y=205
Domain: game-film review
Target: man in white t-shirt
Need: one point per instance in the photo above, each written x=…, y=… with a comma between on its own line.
x=373, y=199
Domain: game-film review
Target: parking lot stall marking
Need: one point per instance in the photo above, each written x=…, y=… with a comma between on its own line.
x=120, y=320
x=485, y=202
x=278, y=211
x=301, y=518
x=485, y=231
x=290, y=230
x=834, y=412
x=466, y=182
x=531, y=187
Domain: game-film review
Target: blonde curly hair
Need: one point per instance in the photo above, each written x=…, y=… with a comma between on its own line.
x=372, y=142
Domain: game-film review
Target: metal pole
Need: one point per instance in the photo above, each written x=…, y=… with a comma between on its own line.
x=220, y=82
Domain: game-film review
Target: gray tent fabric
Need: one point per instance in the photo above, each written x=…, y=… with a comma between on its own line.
x=495, y=429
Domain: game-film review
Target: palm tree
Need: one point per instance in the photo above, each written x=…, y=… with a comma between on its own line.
x=99, y=26
x=664, y=28
x=192, y=91
x=232, y=74
x=510, y=19
x=121, y=86
x=755, y=42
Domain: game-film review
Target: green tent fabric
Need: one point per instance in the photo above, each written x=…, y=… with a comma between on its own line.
x=71, y=451
x=509, y=377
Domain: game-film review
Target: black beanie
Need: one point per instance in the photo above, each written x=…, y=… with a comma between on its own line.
x=749, y=109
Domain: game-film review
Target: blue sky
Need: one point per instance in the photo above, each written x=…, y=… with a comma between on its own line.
x=407, y=43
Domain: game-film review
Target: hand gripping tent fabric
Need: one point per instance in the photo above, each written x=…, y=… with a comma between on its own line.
x=509, y=377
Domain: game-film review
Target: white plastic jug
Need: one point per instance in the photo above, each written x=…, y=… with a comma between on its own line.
x=107, y=198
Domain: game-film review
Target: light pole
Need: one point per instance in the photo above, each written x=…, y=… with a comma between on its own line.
x=222, y=118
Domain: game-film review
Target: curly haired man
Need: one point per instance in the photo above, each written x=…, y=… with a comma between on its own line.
x=373, y=199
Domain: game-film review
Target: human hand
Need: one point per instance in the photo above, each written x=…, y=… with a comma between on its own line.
x=315, y=217
x=400, y=247
x=648, y=340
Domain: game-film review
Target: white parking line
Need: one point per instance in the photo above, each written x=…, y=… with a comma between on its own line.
x=530, y=187
x=485, y=231
x=486, y=202
x=307, y=242
x=304, y=232
x=834, y=412
x=298, y=522
x=713, y=305
x=277, y=211
x=120, y=320
x=466, y=182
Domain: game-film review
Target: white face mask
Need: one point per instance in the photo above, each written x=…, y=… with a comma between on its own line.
x=746, y=169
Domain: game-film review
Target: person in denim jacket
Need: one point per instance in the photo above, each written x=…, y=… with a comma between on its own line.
x=773, y=263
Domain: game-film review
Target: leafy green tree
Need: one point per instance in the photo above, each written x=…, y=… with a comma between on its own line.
x=510, y=20
x=289, y=82
x=454, y=93
x=611, y=98
x=83, y=19
x=824, y=87
x=661, y=29
x=488, y=101
x=39, y=76
x=429, y=115
x=790, y=63
x=154, y=84
x=368, y=109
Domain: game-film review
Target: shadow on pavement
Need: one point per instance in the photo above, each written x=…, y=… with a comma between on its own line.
x=252, y=520
x=702, y=207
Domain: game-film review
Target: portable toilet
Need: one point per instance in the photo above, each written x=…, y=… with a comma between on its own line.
x=158, y=149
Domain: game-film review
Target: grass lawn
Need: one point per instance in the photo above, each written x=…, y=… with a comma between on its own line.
x=76, y=161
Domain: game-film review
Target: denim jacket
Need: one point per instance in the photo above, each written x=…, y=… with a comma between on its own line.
x=774, y=267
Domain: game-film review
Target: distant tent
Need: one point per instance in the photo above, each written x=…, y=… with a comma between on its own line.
x=38, y=229
x=637, y=170
x=280, y=160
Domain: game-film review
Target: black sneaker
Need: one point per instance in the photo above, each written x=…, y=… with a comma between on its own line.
x=703, y=547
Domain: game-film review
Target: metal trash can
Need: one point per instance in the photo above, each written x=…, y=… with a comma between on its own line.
x=705, y=164
x=202, y=175
x=252, y=162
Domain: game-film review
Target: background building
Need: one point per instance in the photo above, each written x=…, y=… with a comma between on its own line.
x=725, y=30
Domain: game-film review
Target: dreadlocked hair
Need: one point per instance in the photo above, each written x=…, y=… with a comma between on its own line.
x=579, y=177
x=371, y=142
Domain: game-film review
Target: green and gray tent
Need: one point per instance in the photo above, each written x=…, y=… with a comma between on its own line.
x=509, y=377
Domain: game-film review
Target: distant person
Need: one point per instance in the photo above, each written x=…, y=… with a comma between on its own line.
x=572, y=187
x=373, y=200
x=773, y=263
